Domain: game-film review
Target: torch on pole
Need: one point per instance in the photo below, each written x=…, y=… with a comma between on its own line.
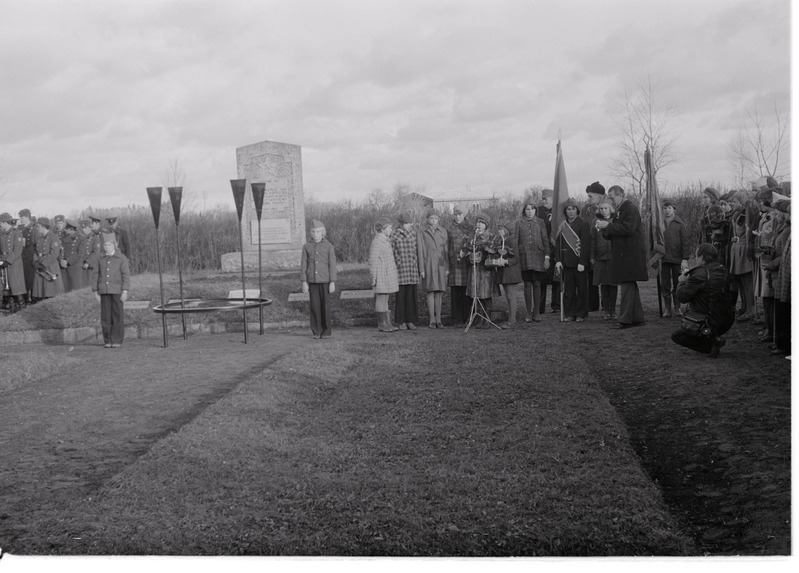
x=258, y=190
x=239, y=186
x=154, y=194
x=175, y=197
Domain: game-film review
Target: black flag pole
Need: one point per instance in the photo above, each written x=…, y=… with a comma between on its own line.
x=258, y=190
x=154, y=194
x=175, y=197
x=239, y=186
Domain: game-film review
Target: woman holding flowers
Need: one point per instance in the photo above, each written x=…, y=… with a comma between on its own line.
x=481, y=278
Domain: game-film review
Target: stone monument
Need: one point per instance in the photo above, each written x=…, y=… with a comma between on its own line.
x=279, y=167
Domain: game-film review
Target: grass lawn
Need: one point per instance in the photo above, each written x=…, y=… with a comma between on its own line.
x=433, y=444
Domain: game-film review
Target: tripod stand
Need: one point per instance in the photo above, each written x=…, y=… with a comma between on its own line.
x=477, y=305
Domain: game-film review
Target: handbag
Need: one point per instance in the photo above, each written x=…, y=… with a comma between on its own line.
x=695, y=323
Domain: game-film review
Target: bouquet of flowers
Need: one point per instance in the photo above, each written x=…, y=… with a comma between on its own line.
x=476, y=248
x=498, y=252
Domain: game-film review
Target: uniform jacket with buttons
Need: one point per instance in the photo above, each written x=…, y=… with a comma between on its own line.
x=111, y=275
x=318, y=263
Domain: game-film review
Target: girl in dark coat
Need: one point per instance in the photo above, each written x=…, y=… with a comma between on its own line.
x=572, y=255
x=510, y=275
x=600, y=258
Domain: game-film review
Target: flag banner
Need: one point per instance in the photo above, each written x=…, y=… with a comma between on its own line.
x=656, y=227
x=570, y=237
x=561, y=193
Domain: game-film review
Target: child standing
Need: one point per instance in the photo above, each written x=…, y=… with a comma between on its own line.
x=318, y=275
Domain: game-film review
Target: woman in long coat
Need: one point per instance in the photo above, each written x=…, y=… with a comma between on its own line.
x=532, y=238
x=45, y=262
x=384, y=273
x=403, y=242
x=510, y=275
x=433, y=265
x=481, y=278
x=600, y=259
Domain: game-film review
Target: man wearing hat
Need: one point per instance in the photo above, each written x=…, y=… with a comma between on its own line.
x=544, y=212
x=460, y=305
x=71, y=273
x=28, y=232
x=47, y=282
x=92, y=249
x=678, y=251
x=11, y=245
x=595, y=192
x=110, y=283
x=123, y=238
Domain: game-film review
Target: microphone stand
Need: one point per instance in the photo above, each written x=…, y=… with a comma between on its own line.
x=475, y=312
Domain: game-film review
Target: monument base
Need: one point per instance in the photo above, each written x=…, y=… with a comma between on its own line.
x=270, y=260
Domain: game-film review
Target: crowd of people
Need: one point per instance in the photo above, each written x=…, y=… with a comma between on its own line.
x=594, y=261
x=41, y=258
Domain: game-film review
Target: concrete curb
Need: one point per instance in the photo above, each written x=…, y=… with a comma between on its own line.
x=95, y=334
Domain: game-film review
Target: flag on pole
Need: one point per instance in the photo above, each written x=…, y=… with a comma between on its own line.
x=561, y=194
x=656, y=227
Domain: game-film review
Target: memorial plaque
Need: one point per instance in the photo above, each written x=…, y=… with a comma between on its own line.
x=279, y=167
x=137, y=304
x=353, y=294
x=299, y=297
x=251, y=293
x=272, y=231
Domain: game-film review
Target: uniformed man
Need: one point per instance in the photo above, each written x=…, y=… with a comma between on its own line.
x=28, y=233
x=47, y=282
x=91, y=249
x=11, y=245
x=122, y=236
x=71, y=273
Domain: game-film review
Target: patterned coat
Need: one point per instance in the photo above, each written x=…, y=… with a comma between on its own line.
x=780, y=267
x=769, y=228
x=628, y=247
x=11, y=244
x=433, y=257
x=382, y=265
x=533, y=239
x=48, y=249
x=458, y=268
x=403, y=243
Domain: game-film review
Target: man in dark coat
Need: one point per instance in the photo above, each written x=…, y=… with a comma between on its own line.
x=706, y=290
x=595, y=192
x=628, y=256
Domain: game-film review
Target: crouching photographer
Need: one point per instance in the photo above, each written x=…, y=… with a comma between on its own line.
x=710, y=310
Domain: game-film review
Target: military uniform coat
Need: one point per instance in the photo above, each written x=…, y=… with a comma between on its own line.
x=48, y=249
x=431, y=244
x=29, y=239
x=382, y=265
x=458, y=268
x=628, y=249
x=73, y=253
x=11, y=245
x=403, y=243
x=90, y=252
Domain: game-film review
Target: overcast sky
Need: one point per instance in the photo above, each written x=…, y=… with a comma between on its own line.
x=97, y=98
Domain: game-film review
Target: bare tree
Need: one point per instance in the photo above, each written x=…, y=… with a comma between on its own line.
x=763, y=147
x=643, y=121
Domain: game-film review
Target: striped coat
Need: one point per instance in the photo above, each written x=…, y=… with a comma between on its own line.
x=403, y=243
x=533, y=240
x=382, y=265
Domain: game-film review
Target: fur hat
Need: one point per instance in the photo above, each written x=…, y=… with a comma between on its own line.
x=25, y=213
x=595, y=187
x=58, y=218
x=404, y=217
x=44, y=222
x=6, y=218
x=669, y=202
x=712, y=193
x=431, y=213
x=571, y=203
x=484, y=218
x=547, y=193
